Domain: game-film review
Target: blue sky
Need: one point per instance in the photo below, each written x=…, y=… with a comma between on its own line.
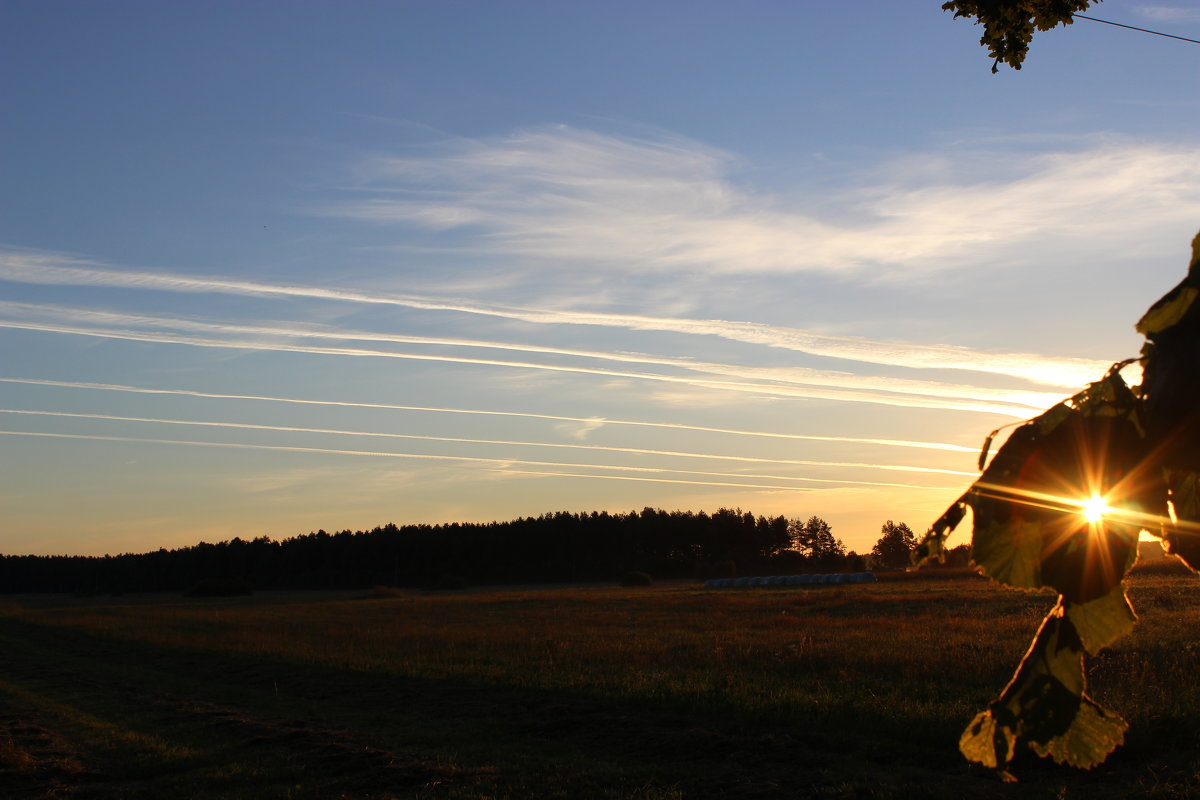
x=271, y=267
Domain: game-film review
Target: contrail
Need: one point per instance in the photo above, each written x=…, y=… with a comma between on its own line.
x=426, y=438
x=168, y=326
x=501, y=462
x=57, y=269
x=110, y=387
x=1016, y=409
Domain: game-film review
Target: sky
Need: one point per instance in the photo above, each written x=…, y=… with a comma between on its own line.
x=273, y=267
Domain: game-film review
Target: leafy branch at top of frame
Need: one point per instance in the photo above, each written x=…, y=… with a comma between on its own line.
x=1137, y=448
x=1009, y=25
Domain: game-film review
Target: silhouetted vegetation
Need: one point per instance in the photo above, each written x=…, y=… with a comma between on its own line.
x=1008, y=27
x=637, y=579
x=559, y=547
x=895, y=545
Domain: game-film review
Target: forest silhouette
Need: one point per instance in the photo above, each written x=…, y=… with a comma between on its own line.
x=557, y=547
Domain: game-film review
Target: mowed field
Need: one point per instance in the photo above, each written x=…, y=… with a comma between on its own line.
x=668, y=691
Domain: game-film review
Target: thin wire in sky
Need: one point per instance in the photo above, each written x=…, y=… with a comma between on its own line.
x=1133, y=28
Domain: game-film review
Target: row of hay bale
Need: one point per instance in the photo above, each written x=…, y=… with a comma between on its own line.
x=834, y=579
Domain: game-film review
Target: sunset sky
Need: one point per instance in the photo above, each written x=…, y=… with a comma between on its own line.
x=269, y=267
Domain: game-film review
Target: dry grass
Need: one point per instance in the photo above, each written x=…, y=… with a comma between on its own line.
x=648, y=692
x=781, y=654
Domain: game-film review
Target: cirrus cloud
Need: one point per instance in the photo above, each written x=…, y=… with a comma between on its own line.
x=561, y=195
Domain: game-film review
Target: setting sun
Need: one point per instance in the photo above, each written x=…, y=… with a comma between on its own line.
x=1094, y=509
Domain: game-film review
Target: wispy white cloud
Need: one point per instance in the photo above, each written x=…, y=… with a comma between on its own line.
x=783, y=382
x=1165, y=13
x=519, y=414
x=57, y=269
x=580, y=430
x=561, y=196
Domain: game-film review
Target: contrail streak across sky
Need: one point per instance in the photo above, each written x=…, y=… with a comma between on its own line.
x=57, y=269
x=688, y=281
x=463, y=459
x=558, y=418
x=421, y=437
x=167, y=326
x=772, y=383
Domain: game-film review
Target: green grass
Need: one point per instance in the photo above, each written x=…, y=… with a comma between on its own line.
x=653, y=692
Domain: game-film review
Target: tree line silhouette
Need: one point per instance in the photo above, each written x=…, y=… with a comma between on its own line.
x=558, y=547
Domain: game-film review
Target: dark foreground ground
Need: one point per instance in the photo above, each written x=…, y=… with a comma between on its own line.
x=665, y=692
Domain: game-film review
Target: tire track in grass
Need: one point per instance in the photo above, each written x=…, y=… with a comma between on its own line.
x=34, y=760
x=83, y=714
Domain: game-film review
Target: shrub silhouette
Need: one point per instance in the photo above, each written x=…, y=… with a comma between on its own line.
x=636, y=579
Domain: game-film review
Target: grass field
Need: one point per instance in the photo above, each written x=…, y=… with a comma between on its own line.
x=660, y=692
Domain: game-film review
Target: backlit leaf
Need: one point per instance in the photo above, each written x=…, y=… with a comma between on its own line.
x=1181, y=538
x=983, y=453
x=1029, y=529
x=1088, y=562
x=1168, y=311
x=1093, y=735
x=1045, y=707
x=987, y=742
x=933, y=545
x=1136, y=450
x=1102, y=621
x=1011, y=554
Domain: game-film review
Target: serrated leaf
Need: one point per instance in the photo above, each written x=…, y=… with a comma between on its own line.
x=1139, y=449
x=1044, y=707
x=1168, y=311
x=933, y=544
x=1006, y=551
x=1181, y=538
x=1089, y=561
x=1094, y=734
x=1029, y=529
x=931, y=548
x=1102, y=621
x=1052, y=418
x=1185, y=494
x=987, y=742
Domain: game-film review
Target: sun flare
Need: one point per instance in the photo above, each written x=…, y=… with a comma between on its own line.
x=1094, y=509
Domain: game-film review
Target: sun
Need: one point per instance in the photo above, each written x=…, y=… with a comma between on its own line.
x=1094, y=509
